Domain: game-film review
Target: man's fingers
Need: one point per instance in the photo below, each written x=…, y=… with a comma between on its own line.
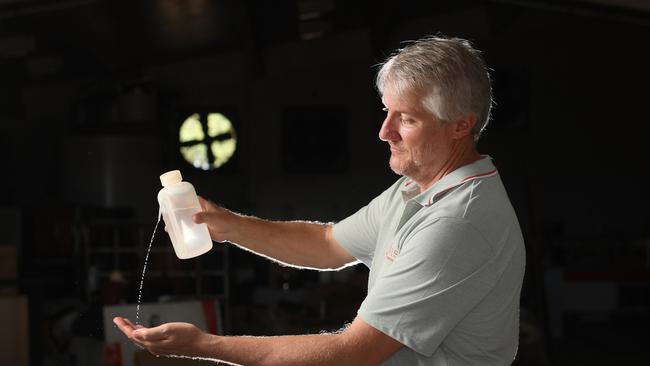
x=200, y=217
x=201, y=199
x=145, y=338
x=205, y=204
x=135, y=326
x=124, y=325
x=120, y=322
x=128, y=322
x=151, y=334
x=129, y=329
x=203, y=217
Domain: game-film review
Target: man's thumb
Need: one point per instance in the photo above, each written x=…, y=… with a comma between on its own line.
x=200, y=217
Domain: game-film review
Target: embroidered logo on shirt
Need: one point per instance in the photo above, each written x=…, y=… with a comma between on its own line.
x=392, y=253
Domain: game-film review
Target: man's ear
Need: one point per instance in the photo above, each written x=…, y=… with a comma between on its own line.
x=463, y=127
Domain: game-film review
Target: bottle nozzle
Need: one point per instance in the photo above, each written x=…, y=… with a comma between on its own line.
x=171, y=177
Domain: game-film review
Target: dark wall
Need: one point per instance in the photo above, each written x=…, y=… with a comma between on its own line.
x=567, y=132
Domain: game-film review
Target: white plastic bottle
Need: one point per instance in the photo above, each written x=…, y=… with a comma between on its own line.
x=178, y=202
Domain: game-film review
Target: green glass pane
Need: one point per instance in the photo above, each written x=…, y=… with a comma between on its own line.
x=218, y=124
x=191, y=129
x=223, y=151
x=197, y=155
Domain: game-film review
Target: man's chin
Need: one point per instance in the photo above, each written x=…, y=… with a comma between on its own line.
x=398, y=169
x=405, y=167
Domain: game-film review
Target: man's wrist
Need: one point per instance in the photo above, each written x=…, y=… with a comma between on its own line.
x=207, y=345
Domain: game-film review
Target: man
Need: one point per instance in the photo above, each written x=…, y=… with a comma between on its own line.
x=443, y=244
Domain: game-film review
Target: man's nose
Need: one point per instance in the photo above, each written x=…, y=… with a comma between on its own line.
x=387, y=131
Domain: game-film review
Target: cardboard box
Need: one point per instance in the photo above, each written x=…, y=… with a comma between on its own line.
x=119, y=351
x=14, y=333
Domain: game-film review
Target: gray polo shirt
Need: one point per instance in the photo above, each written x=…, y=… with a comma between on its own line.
x=446, y=268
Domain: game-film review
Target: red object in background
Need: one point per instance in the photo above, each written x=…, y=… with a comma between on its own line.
x=115, y=290
x=210, y=316
x=112, y=354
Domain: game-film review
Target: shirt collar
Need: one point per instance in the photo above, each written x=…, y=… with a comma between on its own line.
x=479, y=169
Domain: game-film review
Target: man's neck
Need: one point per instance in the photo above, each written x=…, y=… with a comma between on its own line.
x=464, y=155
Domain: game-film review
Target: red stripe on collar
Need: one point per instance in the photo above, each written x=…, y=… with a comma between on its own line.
x=481, y=175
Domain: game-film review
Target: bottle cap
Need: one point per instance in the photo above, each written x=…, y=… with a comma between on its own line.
x=171, y=177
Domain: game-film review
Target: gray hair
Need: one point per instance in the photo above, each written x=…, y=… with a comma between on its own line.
x=447, y=73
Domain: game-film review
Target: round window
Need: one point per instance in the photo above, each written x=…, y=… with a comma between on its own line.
x=207, y=141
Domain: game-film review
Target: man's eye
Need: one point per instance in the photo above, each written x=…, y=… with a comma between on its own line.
x=407, y=121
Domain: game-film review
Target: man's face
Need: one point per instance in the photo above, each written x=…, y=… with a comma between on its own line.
x=419, y=143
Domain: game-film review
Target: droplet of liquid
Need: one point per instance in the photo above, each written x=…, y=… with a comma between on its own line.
x=144, y=269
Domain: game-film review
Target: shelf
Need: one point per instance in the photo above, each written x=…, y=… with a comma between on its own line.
x=108, y=244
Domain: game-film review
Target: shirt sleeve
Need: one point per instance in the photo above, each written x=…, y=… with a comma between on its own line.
x=443, y=270
x=358, y=233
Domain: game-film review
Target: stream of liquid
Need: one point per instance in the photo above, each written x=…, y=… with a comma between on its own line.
x=144, y=269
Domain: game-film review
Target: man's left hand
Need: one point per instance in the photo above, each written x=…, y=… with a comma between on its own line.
x=179, y=339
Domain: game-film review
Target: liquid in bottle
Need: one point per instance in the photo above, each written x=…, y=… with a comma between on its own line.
x=178, y=202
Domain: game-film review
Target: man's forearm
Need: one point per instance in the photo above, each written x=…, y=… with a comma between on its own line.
x=315, y=349
x=295, y=243
x=359, y=344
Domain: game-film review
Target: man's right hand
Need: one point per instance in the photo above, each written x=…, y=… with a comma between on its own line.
x=219, y=220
